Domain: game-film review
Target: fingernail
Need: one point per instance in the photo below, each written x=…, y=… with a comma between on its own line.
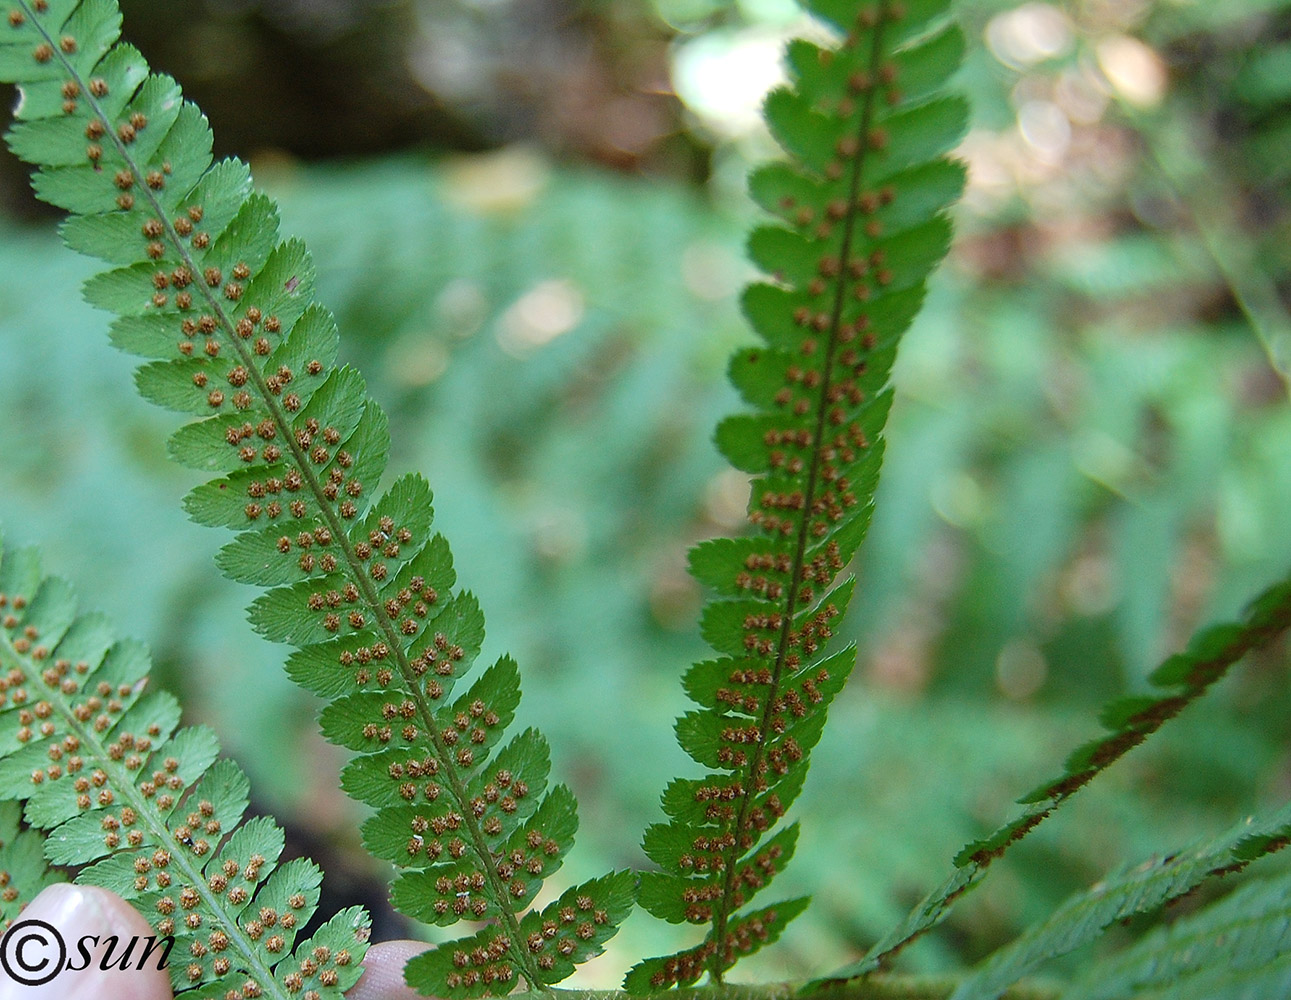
x=41, y=944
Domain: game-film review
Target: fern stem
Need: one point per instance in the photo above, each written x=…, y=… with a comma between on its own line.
x=340, y=532
x=122, y=783
x=724, y=905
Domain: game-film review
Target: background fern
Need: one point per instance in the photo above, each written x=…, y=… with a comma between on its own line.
x=1124, y=894
x=1235, y=948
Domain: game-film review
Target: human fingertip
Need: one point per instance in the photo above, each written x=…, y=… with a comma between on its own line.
x=382, y=977
x=65, y=945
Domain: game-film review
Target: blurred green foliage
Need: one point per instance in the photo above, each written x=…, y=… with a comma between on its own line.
x=1090, y=454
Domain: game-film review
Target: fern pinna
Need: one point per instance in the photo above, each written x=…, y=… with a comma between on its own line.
x=861, y=228
x=205, y=289
x=100, y=763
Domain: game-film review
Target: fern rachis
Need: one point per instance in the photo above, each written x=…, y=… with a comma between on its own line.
x=365, y=592
x=862, y=229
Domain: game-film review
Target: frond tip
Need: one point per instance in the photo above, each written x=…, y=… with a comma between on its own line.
x=860, y=227
x=223, y=312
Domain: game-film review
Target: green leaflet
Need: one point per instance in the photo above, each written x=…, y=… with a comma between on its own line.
x=457, y=889
x=97, y=765
x=222, y=310
x=327, y=669
x=750, y=933
x=661, y=893
x=576, y=926
x=859, y=229
x=1141, y=889
x=570, y=930
x=22, y=863
x=195, y=749
x=1236, y=948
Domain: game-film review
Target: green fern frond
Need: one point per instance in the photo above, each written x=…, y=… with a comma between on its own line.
x=1141, y=889
x=1181, y=679
x=23, y=869
x=224, y=310
x=860, y=229
x=1130, y=720
x=89, y=755
x=1237, y=948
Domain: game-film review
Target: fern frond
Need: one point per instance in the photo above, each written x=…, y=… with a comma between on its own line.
x=23, y=869
x=1236, y=948
x=1141, y=889
x=88, y=754
x=224, y=309
x=1181, y=680
x=860, y=228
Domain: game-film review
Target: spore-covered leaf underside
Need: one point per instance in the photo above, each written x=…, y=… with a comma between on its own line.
x=222, y=310
x=859, y=225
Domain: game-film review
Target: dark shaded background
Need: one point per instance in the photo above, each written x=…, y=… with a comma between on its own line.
x=322, y=79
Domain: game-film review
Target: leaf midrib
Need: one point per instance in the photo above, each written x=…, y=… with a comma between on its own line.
x=722, y=911
x=339, y=530
x=122, y=781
